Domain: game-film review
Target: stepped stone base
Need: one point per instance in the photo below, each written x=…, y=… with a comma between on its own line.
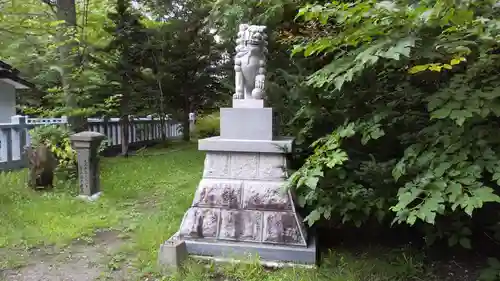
x=241, y=206
x=243, y=250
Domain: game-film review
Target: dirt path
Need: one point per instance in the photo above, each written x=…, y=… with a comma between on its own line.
x=82, y=261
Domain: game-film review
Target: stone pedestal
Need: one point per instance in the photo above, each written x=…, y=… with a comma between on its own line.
x=172, y=254
x=240, y=206
x=86, y=145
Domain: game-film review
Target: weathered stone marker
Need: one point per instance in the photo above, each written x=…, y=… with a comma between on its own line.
x=86, y=145
x=240, y=206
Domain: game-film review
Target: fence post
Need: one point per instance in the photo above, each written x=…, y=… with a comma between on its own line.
x=149, y=128
x=105, y=125
x=19, y=136
x=192, y=119
x=131, y=129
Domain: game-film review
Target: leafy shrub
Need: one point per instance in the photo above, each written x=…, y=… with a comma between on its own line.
x=419, y=85
x=56, y=137
x=208, y=126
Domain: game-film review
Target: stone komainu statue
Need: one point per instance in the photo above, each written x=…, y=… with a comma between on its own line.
x=250, y=62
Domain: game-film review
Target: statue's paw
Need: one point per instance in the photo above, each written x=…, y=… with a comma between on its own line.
x=257, y=94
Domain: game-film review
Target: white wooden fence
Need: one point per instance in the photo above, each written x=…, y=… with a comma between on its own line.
x=15, y=136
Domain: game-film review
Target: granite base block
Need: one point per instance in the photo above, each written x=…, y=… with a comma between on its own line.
x=248, y=103
x=280, y=145
x=265, y=252
x=258, y=125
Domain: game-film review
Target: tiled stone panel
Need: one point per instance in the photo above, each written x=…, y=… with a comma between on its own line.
x=244, y=165
x=200, y=223
x=216, y=165
x=241, y=198
x=262, y=195
x=218, y=193
x=282, y=228
x=241, y=225
x=271, y=166
x=240, y=165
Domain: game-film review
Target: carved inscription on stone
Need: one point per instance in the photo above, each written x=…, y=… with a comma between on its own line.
x=272, y=166
x=200, y=223
x=241, y=225
x=218, y=193
x=244, y=165
x=84, y=177
x=216, y=165
x=263, y=195
x=282, y=228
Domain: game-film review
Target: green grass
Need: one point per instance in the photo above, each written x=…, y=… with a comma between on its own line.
x=145, y=197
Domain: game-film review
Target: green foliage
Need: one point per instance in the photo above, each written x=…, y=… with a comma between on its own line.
x=208, y=126
x=492, y=272
x=424, y=77
x=325, y=183
x=57, y=139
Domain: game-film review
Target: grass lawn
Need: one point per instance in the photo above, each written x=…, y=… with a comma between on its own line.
x=145, y=197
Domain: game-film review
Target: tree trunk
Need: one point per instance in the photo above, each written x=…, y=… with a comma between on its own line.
x=125, y=124
x=162, y=110
x=66, y=11
x=186, y=134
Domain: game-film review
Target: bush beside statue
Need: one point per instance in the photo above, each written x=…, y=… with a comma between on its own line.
x=49, y=154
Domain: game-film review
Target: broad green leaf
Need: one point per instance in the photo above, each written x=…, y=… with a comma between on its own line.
x=465, y=242
x=435, y=67
x=494, y=262
x=411, y=219
x=453, y=240
x=441, y=169
x=418, y=68
x=312, y=182
x=398, y=170
x=441, y=113
x=454, y=191
x=485, y=194
x=313, y=217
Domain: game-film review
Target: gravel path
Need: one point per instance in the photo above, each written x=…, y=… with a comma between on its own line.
x=79, y=262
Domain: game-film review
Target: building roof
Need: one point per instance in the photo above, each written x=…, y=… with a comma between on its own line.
x=10, y=75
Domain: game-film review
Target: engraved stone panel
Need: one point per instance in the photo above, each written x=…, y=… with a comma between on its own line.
x=241, y=225
x=282, y=228
x=200, y=223
x=244, y=165
x=272, y=166
x=216, y=165
x=263, y=195
x=218, y=193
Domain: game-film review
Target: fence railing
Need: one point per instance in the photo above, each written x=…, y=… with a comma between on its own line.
x=15, y=136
